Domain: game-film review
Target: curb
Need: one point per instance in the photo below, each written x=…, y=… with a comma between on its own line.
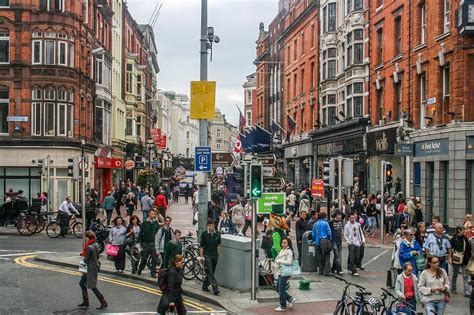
x=189, y=293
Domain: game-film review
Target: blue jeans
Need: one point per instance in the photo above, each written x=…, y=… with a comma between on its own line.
x=336, y=262
x=435, y=308
x=145, y=215
x=412, y=303
x=372, y=222
x=284, y=296
x=460, y=269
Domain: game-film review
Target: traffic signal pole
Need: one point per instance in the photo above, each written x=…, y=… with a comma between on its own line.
x=203, y=123
x=382, y=184
x=83, y=192
x=339, y=185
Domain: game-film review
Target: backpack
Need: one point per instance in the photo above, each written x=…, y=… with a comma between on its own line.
x=163, y=279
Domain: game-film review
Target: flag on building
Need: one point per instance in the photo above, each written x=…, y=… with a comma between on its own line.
x=242, y=121
x=291, y=124
x=264, y=139
x=238, y=145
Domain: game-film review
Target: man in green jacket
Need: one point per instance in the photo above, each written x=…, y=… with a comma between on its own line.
x=172, y=248
x=146, y=238
x=109, y=205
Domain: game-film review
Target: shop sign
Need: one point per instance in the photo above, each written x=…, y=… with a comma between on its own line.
x=402, y=149
x=381, y=142
x=140, y=165
x=108, y=163
x=340, y=147
x=432, y=148
x=264, y=204
x=470, y=145
x=317, y=188
x=129, y=164
x=17, y=118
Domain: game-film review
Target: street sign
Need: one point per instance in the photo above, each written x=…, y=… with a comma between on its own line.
x=203, y=160
x=129, y=164
x=139, y=165
x=402, y=149
x=269, y=171
x=156, y=163
x=203, y=100
x=17, y=118
x=223, y=159
x=273, y=182
x=317, y=188
x=219, y=171
x=267, y=159
x=264, y=204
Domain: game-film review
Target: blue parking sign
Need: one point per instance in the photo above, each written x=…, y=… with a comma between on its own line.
x=203, y=159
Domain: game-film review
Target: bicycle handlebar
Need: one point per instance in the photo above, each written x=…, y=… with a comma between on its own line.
x=350, y=283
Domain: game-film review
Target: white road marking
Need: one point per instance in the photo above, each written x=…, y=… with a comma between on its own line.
x=18, y=254
x=375, y=258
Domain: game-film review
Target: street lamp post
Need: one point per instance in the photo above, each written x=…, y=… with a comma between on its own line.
x=150, y=144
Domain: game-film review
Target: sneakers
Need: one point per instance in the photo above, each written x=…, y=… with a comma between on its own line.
x=355, y=274
x=139, y=272
x=280, y=309
x=291, y=302
x=361, y=268
x=340, y=273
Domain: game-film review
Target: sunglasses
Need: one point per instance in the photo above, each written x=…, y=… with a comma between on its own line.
x=435, y=262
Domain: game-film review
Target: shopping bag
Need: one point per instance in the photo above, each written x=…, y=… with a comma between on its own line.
x=83, y=266
x=290, y=270
x=111, y=250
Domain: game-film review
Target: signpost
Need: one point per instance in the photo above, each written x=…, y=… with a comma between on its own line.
x=223, y=159
x=203, y=161
x=317, y=187
x=264, y=204
x=273, y=182
x=267, y=160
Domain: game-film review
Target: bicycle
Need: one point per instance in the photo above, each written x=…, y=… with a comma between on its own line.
x=134, y=251
x=349, y=305
x=389, y=300
x=53, y=229
x=26, y=224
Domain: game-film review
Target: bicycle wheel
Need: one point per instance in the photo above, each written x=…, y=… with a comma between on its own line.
x=26, y=225
x=41, y=224
x=340, y=309
x=53, y=229
x=200, y=270
x=188, y=270
x=77, y=229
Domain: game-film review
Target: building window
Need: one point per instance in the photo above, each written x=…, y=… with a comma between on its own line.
x=295, y=49
x=446, y=82
x=49, y=119
x=188, y=133
x=331, y=63
x=49, y=52
x=4, y=48
x=295, y=83
x=358, y=46
x=288, y=55
x=139, y=87
x=302, y=43
x=302, y=80
x=398, y=36
x=355, y=99
x=422, y=100
x=313, y=34
x=349, y=49
x=4, y=3
x=103, y=122
x=380, y=46
x=62, y=54
x=248, y=97
x=36, y=119
x=423, y=24
x=380, y=95
x=249, y=118
x=71, y=54
x=446, y=17
x=139, y=126
x=312, y=75
x=218, y=146
x=288, y=89
x=129, y=127
x=329, y=109
x=4, y=105
x=37, y=51
x=398, y=100
x=331, y=17
x=129, y=78
x=218, y=133
x=358, y=4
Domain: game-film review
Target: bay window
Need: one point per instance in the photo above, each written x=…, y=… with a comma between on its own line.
x=62, y=53
x=49, y=119
x=329, y=109
x=4, y=3
x=62, y=122
x=103, y=122
x=129, y=127
x=355, y=100
x=49, y=52
x=36, y=118
x=54, y=49
x=129, y=79
x=36, y=52
x=4, y=47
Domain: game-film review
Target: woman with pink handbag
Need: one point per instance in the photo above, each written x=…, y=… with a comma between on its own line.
x=116, y=247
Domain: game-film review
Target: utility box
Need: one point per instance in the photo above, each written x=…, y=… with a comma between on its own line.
x=234, y=265
x=308, y=254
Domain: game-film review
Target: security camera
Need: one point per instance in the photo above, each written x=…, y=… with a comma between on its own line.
x=216, y=39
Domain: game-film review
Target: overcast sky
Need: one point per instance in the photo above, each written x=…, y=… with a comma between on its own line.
x=177, y=34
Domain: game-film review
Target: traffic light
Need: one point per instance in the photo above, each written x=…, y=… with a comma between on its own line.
x=329, y=169
x=256, y=180
x=41, y=166
x=388, y=173
x=73, y=167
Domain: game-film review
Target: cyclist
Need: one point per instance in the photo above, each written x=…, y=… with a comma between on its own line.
x=64, y=215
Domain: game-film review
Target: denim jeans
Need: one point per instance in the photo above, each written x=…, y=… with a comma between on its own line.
x=412, y=303
x=284, y=296
x=435, y=308
x=353, y=258
x=372, y=222
x=462, y=270
x=336, y=262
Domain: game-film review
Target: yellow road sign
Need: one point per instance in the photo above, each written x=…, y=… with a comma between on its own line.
x=203, y=99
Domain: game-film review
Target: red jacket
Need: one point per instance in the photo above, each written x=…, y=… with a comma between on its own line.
x=160, y=201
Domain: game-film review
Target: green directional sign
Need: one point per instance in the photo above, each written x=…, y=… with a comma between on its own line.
x=264, y=204
x=256, y=180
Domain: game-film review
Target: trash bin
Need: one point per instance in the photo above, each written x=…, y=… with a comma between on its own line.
x=308, y=258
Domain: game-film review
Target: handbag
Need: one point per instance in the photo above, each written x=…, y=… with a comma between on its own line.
x=458, y=257
x=290, y=270
x=111, y=250
x=420, y=262
x=324, y=243
x=82, y=266
x=470, y=267
x=447, y=297
x=391, y=277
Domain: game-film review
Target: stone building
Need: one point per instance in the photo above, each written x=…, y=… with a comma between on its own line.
x=249, y=97
x=222, y=134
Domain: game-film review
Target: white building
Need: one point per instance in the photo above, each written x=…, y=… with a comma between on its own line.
x=249, y=94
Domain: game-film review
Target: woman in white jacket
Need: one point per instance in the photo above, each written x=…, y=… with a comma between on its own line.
x=284, y=257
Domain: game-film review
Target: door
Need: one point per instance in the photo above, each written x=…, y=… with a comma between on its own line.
x=61, y=191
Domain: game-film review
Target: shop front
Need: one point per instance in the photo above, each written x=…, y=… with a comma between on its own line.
x=346, y=140
x=104, y=169
x=381, y=147
x=298, y=160
x=443, y=171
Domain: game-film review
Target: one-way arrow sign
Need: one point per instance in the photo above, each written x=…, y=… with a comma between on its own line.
x=268, y=159
x=273, y=183
x=223, y=160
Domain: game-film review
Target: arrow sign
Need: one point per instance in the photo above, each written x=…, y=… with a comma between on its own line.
x=273, y=183
x=268, y=159
x=202, y=160
x=223, y=159
x=255, y=191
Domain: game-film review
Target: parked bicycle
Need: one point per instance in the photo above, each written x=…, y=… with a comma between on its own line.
x=353, y=305
x=391, y=304
x=53, y=229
